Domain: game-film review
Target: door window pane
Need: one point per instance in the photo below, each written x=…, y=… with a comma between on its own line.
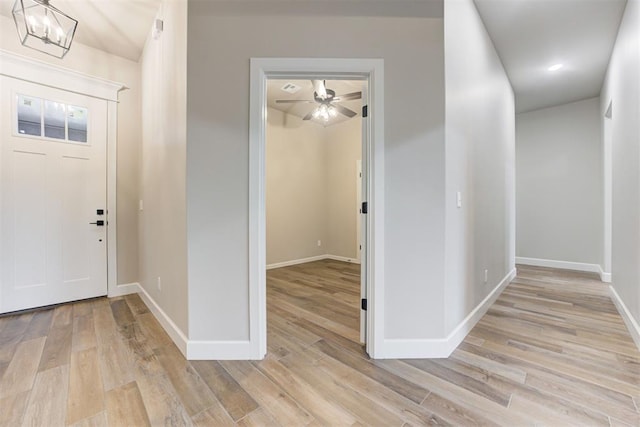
x=77, y=123
x=29, y=115
x=54, y=120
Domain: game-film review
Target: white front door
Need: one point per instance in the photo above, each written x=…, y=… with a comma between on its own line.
x=53, y=248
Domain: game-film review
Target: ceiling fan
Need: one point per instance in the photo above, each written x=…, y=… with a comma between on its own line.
x=329, y=104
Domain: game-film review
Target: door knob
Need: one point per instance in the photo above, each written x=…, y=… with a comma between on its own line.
x=99, y=223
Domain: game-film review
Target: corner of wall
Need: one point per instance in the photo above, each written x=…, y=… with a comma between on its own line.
x=162, y=220
x=629, y=320
x=480, y=147
x=442, y=347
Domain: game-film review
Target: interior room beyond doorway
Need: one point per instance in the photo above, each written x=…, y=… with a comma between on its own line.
x=313, y=189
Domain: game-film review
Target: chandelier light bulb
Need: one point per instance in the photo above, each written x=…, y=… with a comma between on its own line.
x=43, y=27
x=32, y=23
x=47, y=25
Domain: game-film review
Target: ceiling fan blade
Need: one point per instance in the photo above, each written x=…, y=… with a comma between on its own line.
x=291, y=101
x=308, y=116
x=348, y=96
x=344, y=110
x=320, y=88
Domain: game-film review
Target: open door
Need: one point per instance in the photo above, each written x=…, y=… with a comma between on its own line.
x=363, y=226
x=358, y=210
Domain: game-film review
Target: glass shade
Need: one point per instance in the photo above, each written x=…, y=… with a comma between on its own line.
x=43, y=27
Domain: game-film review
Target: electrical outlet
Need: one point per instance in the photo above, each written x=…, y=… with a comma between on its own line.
x=159, y=284
x=319, y=242
x=486, y=276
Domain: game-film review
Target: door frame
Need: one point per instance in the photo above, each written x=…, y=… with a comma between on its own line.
x=303, y=68
x=42, y=73
x=607, y=149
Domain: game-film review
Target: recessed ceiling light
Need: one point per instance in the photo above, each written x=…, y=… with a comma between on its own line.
x=555, y=67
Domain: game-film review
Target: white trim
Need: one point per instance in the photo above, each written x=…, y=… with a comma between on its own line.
x=257, y=211
x=174, y=332
x=443, y=347
x=35, y=71
x=342, y=258
x=607, y=155
x=604, y=276
x=111, y=208
x=124, y=289
x=632, y=324
x=565, y=265
x=311, y=259
x=192, y=350
x=296, y=262
x=261, y=69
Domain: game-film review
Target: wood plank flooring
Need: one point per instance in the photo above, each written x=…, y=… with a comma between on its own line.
x=551, y=351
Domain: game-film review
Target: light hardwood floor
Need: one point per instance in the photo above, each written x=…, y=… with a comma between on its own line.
x=551, y=351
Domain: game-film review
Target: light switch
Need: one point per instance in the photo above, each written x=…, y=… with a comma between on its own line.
x=459, y=199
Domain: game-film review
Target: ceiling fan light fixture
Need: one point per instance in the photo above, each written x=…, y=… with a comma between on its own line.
x=44, y=28
x=324, y=112
x=327, y=107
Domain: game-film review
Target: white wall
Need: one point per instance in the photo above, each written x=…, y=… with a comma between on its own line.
x=163, y=249
x=296, y=188
x=311, y=187
x=480, y=138
x=622, y=89
x=97, y=63
x=219, y=49
x=559, y=188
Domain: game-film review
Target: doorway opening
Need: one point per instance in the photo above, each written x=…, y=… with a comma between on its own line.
x=313, y=73
x=314, y=147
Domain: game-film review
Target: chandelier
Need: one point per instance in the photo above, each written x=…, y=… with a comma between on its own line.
x=43, y=27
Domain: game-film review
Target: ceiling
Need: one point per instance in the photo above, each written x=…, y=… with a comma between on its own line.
x=119, y=27
x=529, y=35
x=341, y=87
x=532, y=35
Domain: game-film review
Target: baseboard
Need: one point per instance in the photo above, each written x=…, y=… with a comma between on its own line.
x=632, y=324
x=565, y=265
x=311, y=259
x=295, y=262
x=604, y=277
x=342, y=258
x=177, y=336
x=199, y=350
x=443, y=347
x=125, y=289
